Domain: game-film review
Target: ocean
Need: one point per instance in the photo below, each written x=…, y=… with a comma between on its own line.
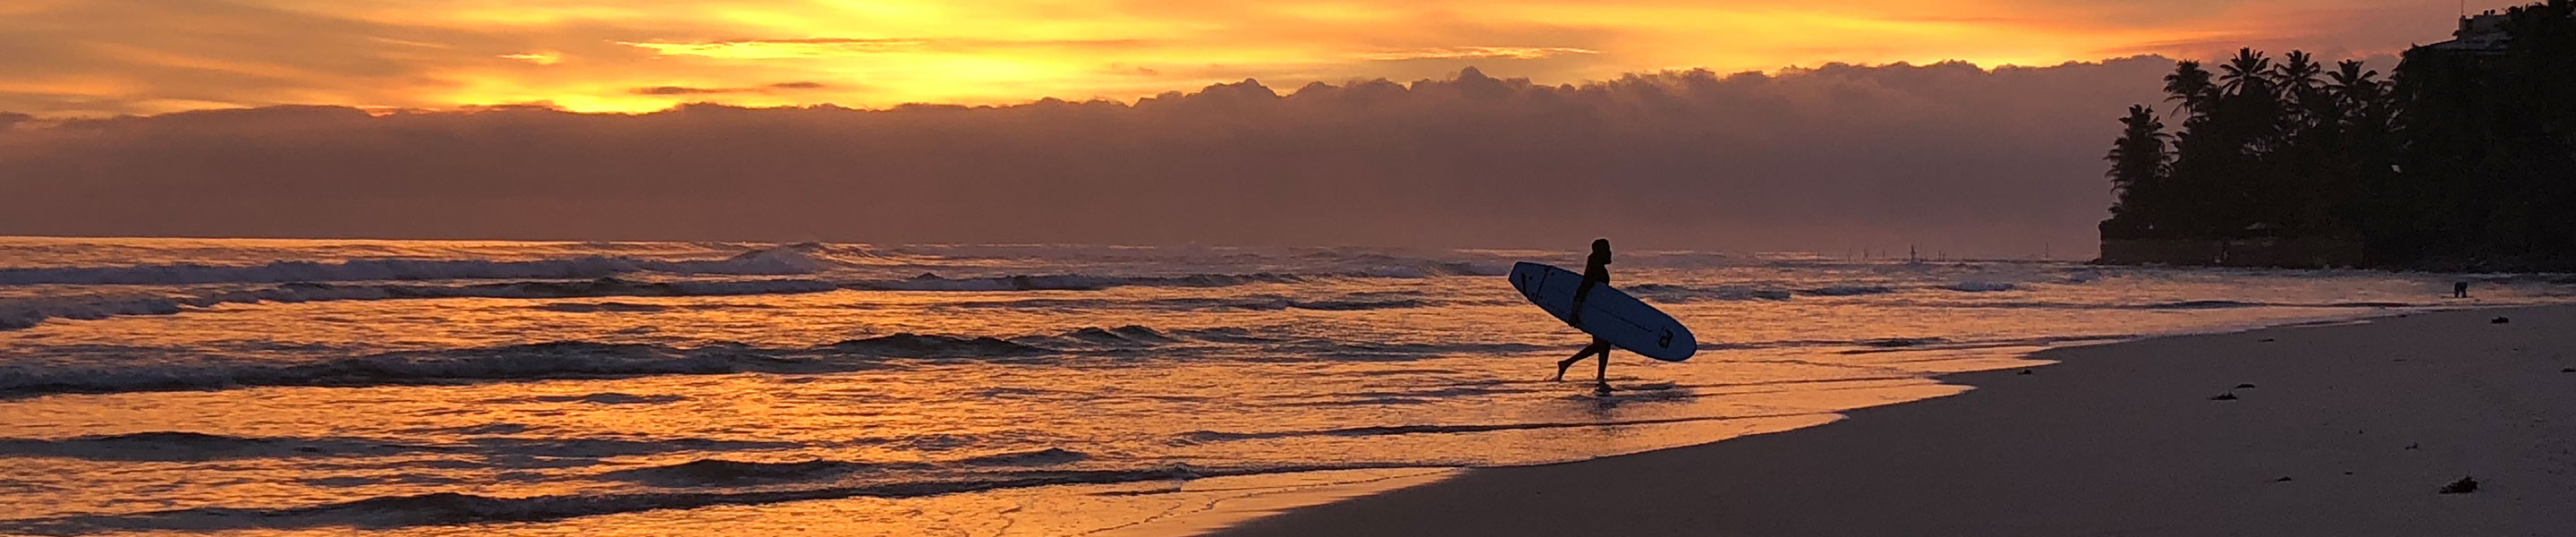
x=347, y=387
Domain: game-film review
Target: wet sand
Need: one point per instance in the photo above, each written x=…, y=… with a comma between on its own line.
x=2348, y=430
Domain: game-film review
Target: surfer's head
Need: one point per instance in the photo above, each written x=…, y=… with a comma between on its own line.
x=1601, y=249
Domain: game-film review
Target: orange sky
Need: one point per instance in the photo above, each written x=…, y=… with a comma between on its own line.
x=90, y=58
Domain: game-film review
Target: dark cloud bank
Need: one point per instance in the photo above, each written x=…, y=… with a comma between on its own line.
x=1833, y=159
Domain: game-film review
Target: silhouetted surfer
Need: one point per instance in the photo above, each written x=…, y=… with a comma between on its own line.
x=1596, y=271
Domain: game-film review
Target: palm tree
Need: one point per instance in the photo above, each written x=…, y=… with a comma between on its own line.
x=2351, y=79
x=2246, y=69
x=2138, y=164
x=2191, y=86
x=2297, y=73
x=2356, y=88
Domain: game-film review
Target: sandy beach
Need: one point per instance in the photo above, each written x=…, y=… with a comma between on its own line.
x=2346, y=429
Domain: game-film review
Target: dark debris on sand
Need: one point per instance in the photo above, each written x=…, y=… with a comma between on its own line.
x=2244, y=385
x=2229, y=396
x=2500, y=320
x=2464, y=486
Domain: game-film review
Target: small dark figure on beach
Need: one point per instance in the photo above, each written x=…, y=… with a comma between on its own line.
x=2459, y=289
x=1596, y=271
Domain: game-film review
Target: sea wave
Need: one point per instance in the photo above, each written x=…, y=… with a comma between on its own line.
x=116, y=369
x=727, y=472
x=1777, y=291
x=2170, y=305
x=21, y=313
x=935, y=346
x=1042, y=457
x=448, y=508
x=1384, y=430
x=569, y=360
x=1847, y=290
x=761, y=262
x=24, y=313
x=1130, y=336
x=190, y=446
x=1669, y=293
x=1255, y=302
x=1980, y=286
x=1066, y=282
x=719, y=471
x=488, y=364
x=185, y=446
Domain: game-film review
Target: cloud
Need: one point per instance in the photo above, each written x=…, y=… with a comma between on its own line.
x=679, y=90
x=1947, y=156
x=1518, y=53
x=539, y=58
x=686, y=90
x=828, y=47
x=70, y=58
x=779, y=48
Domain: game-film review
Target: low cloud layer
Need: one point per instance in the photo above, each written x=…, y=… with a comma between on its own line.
x=1835, y=159
x=87, y=58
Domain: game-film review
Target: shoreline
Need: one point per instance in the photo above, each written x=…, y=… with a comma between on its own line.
x=2129, y=437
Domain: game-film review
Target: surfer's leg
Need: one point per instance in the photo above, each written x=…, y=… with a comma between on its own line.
x=1601, y=375
x=1569, y=362
x=1593, y=349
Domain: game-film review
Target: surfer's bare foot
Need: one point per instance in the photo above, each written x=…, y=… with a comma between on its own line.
x=1603, y=388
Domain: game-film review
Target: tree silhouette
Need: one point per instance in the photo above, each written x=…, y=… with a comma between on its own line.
x=2354, y=87
x=2190, y=87
x=2248, y=68
x=2139, y=163
x=2464, y=158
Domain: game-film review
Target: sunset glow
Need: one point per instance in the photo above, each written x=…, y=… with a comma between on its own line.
x=99, y=58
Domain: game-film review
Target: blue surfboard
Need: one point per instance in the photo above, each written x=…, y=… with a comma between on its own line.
x=1608, y=314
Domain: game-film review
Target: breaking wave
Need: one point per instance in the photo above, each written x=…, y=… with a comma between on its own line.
x=727, y=472
x=513, y=362
x=539, y=361
x=1042, y=457
x=448, y=508
x=723, y=472
x=587, y=360
x=928, y=346
x=26, y=313
x=1980, y=286
x=29, y=312
x=1221, y=436
x=1681, y=293
x=181, y=446
x=1259, y=302
x=188, y=446
x=763, y=262
x=1065, y=282
x=1848, y=290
